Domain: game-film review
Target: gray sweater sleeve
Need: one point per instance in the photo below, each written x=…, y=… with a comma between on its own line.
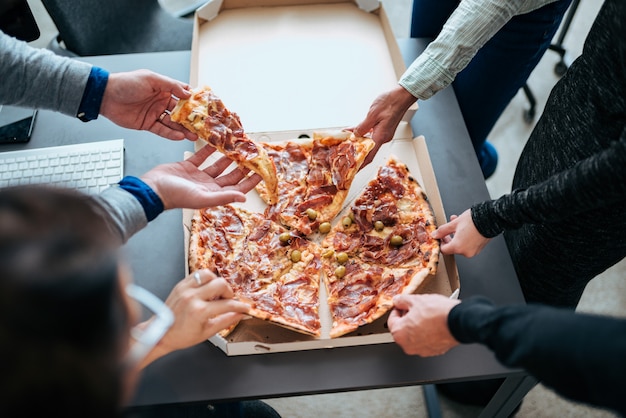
x=28, y=72
x=125, y=213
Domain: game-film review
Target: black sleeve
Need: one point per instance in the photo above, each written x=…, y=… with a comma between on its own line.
x=580, y=356
x=594, y=182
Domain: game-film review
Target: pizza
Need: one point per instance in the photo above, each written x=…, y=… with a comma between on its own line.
x=380, y=248
x=205, y=114
x=274, y=271
x=314, y=178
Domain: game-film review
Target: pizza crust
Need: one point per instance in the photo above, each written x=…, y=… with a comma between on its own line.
x=205, y=115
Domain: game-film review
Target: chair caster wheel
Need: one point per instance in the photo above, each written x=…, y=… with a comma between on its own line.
x=529, y=115
x=560, y=68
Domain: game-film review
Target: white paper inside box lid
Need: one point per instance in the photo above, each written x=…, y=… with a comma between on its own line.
x=295, y=67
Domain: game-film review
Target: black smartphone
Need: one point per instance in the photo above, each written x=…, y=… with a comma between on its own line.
x=16, y=124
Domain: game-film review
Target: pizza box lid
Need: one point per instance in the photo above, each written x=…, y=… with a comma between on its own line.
x=286, y=65
x=254, y=336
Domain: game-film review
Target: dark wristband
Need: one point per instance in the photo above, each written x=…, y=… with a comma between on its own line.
x=149, y=200
x=89, y=108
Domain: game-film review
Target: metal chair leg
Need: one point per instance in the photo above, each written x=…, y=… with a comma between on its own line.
x=529, y=114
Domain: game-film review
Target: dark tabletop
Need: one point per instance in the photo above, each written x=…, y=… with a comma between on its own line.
x=156, y=256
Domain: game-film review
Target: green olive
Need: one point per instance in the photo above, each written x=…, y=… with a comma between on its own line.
x=328, y=253
x=296, y=255
x=311, y=213
x=346, y=221
x=342, y=257
x=396, y=241
x=284, y=237
x=325, y=227
x=379, y=225
x=351, y=216
x=340, y=272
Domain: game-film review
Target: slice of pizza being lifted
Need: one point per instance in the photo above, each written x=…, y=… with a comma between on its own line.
x=273, y=270
x=380, y=248
x=314, y=178
x=205, y=115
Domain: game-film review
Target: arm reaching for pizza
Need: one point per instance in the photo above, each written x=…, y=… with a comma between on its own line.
x=202, y=306
x=183, y=185
x=139, y=100
x=137, y=201
x=460, y=236
x=419, y=324
x=38, y=78
x=383, y=117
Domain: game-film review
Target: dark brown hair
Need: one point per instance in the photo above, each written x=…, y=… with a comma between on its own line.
x=63, y=322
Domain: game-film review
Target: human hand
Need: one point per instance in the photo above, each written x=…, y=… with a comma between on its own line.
x=183, y=185
x=419, y=324
x=201, y=309
x=137, y=99
x=460, y=236
x=383, y=118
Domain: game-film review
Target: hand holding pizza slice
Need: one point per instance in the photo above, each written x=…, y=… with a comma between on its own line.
x=205, y=115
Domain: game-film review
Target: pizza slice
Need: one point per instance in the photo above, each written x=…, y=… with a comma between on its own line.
x=273, y=270
x=292, y=161
x=380, y=248
x=314, y=178
x=204, y=114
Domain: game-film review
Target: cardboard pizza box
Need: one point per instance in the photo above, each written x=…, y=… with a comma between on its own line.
x=286, y=65
x=292, y=67
x=255, y=336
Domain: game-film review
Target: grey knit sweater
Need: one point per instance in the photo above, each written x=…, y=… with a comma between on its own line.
x=37, y=78
x=565, y=221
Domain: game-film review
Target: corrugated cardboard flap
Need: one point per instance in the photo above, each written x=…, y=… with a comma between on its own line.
x=211, y=8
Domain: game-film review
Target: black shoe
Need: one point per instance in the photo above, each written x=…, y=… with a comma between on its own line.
x=488, y=159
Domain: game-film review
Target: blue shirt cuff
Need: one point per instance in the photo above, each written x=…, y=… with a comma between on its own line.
x=149, y=200
x=89, y=108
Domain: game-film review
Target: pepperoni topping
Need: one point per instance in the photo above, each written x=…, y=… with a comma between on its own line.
x=224, y=130
x=319, y=200
x=260, y=231
x=342, y=162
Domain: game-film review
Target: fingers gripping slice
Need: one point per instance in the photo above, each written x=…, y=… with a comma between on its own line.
x=205, y=115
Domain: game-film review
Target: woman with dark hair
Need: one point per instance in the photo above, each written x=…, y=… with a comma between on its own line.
x=64, y=316
x=70, y=341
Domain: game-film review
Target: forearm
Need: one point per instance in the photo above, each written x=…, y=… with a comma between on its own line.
x=469, y=27
x=580, y=356
x=595, y=182
x=125, y=214
x=38, y=78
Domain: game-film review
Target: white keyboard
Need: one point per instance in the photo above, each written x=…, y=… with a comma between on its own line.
x=89, y=167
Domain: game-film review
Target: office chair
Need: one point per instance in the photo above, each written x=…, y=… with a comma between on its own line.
x=559, y=68
x=104, y=27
